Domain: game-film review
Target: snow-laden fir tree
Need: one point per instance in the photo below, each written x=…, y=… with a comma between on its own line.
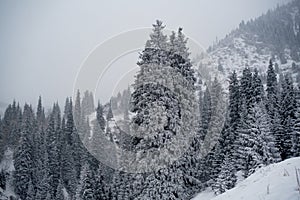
x=268, y=149
x=206, y=112
x=100, y=185
x=59, y=191
x=71, y=151
x=287, y=116
x=227, y=177
x=296, y=128
x=52, y=141
x=100, y=117
x=30, y=192
x=23, y=156
x=109, y=115
x=85, y=188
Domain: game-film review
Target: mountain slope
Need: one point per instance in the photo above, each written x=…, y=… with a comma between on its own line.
x=274, y=35
x=273, y=182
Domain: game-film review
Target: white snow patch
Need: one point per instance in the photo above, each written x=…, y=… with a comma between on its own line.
x=273, y=182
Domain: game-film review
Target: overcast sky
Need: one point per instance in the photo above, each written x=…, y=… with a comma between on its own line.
x=43, y=43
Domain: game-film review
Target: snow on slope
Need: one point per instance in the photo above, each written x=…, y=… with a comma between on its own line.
x=238, y=52
x=273, y=182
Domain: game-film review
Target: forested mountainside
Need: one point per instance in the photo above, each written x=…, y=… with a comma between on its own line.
x=245, y=115
x=274, y=35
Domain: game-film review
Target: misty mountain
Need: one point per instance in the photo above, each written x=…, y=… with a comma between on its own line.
x=171, y=136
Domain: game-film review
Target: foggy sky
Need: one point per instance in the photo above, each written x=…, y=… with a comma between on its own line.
x=43, y=43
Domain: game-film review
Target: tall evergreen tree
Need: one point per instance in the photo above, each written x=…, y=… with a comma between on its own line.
x=99, y=115
x=287, y=114
x=85, y=189
x=226, y=178
x=23, y=155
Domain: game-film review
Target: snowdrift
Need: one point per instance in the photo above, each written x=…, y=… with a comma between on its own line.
x=274, y=182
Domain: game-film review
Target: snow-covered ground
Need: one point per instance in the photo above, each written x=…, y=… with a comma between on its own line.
x=273, y=182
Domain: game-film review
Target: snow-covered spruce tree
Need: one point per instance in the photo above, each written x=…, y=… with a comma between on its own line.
x=163, y=99
x=272, y=104
x=246, y=92
x=296, y=128
x=247, y=144
x=121, y=186
x=78, y=110
x=71, y=151
x=152, y=55
x=257, y=87
x=87, y=103
x=226, y=178
x=138, y=185
x=40, y=114
x=206, y=112
x=85, y=188
x=100, y=185
x=100, y=117
x=30, y=192
x=23, y=156
x=79, y=115
x=287, y=115
x=109, y=114
x=52, y=141
x=39, y=146
x=43, y=187
x=168, y=185
x=211, y=142
x=255, y=144
x=11, y=127
x=267, y=150
x=59, y=191
x=228, y=135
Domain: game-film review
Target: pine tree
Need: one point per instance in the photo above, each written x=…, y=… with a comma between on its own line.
x=85, y=189
x=246, y=92
x=78, y=110
x=87, y=103
x=100, y=117
x=71, y=154
x=296, y=128
x=257, y=87
x=43, y=186
x=234, y=101
x=100, y=192
x=52, y=141
x=226, y=178
x=23, y=155
x=247, y=144
x=30, y=192
x=109, y=115
x=272, y=91
x=206, y=112
x=267, y=150
x=287, y=114
x=59, y=191
x=40, y=114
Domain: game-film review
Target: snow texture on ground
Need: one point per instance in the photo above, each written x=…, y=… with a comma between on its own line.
x=273, y=182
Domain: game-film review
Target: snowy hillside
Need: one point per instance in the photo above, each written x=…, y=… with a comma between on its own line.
x=274, y=35
x=273, y=182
